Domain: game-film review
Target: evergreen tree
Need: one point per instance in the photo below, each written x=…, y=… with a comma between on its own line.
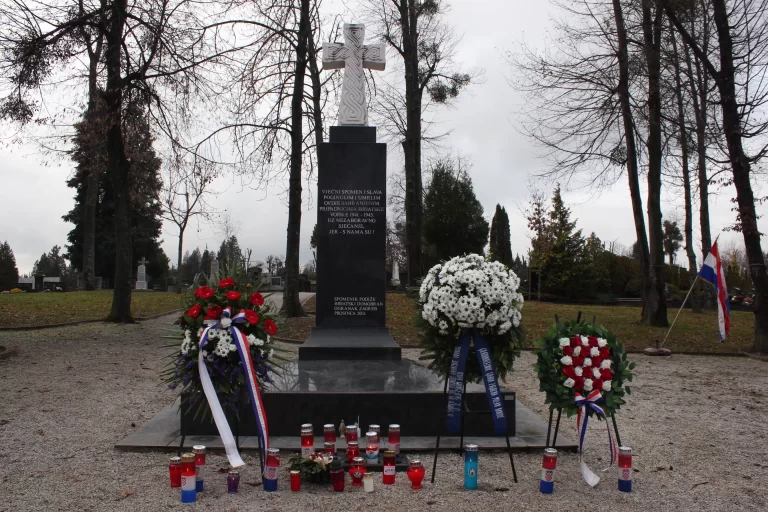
x=520, y=267
x=230, y=254
x=145, y=185
x=9, y=273
x=501, y=245
x=191, y=265
x=453, y=217
x=672, y=239
x=205, y=261
x=51, y=264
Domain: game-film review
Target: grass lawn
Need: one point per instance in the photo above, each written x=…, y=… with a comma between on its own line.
x=692, y=332
x=28, y=309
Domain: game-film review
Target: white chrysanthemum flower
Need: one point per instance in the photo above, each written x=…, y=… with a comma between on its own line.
x=594, y=352
x=579, y=371
x=587, y=362
x=205, y=353
x=564, y=342
x=185, y=347
x=577, y=351
x=596, y=373
x=569, y=382
x=607, y=385
x=566, y=360
x=601, y=342
x=606, y=364
x=587, y=384
x=585, y=341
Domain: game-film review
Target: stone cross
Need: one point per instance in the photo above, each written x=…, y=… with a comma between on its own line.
x=141, y=278
x=353, y=56
x=143, y=261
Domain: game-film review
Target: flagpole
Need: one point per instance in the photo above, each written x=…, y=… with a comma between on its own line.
x=679, y=310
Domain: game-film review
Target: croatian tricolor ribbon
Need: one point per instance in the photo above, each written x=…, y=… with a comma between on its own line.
x=592, y=400
x=456, y=383
x=227, y=322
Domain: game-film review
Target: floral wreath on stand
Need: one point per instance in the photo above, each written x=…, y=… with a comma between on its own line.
x=226, y=355
x=583, y=368
x=468, y=299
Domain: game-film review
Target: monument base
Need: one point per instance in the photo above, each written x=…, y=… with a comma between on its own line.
x=372, y=344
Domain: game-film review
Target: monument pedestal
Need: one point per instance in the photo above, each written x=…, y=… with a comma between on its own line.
x=350, y=344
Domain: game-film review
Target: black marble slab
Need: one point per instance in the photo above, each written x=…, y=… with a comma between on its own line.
x=352, y=134
x=350, y=344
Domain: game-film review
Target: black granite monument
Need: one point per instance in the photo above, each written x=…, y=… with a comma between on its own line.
x=351, y=273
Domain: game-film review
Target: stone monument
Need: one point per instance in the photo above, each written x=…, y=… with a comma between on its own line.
x=351, y=220
x=214, y=269
x=141, y=275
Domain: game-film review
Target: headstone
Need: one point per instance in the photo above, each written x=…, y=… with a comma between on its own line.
x=141, y=277
x=395, y=274
x=214, y=269
x=351, y=221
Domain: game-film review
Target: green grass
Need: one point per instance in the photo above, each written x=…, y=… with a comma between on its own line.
x=32, y=309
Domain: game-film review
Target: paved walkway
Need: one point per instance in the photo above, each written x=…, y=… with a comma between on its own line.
x=276, y=298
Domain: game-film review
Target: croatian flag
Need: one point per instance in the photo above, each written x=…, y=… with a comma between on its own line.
x=712, y=272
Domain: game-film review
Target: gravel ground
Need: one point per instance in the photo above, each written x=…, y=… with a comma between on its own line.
x=697, y=426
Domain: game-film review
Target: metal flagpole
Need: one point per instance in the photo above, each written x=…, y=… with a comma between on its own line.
x=679, y=310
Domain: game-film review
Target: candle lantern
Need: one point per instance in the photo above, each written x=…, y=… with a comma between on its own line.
x=353, y=450
x=307, y=442
x=330, y=448
x=548, y=465
x=625, y=469
x=174, y=468
x=295, y=481
x=470, y=467
x=394, y=438
x=350, y=433
x=199, y=451
x=337, y=475
x=233, y=481
x=388, y=473
x=372, y=449
x=356, y=470
x=368, y=482
x=188, y=485
x=329, y=436
x=416, y=473
x=377, y=430
x=270, y=469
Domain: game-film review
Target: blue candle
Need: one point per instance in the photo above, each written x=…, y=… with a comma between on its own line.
x=470, y=467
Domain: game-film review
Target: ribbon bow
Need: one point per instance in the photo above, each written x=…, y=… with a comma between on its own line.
x=228, y=322
x=591, y=401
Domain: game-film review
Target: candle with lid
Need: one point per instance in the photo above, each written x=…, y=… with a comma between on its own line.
x=353, y=450
x=329, y=436
x=388, y=471
x=625, y=469
x=372, y=449
x=199, y=451
x=393, y=437
x=350, y=433
x=337, y=475
x=188, y=478
x=295, y=481
x=470, y=467
x=415, y=473
x=307, y=442
x=356, y=470
x=368, y=482
x=548, y=465
x=270, y=469
x=174, y=468
x=377, y=430
x=233, y=481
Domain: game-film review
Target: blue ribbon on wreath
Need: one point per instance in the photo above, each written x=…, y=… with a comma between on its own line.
x=456, y=382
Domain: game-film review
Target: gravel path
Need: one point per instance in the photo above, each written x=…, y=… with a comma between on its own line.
x=697, y=425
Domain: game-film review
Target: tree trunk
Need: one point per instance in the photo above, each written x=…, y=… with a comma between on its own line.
x=656, y=314
x=412, y=142
x=118, y=167
x=741, y=174
x=648, y=292
x=92, y=182
x=291, y=303
x=695, y=297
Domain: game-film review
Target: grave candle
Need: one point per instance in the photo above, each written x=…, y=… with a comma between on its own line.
x=388, y=473
x=625, y=469
x=356, y=470
x=368, y=482
x=295, y=481
x=188, y=485
x=416, y=473
x=233, y=481
x=372, y=450
x=470, y=467
x=329, y=436
x=394, y=438
x=337, y=475
x=270, y=469
x=199, y=451
x=307, y=442
x=330, y=448
x=353, y=450
x=548, y=464
x=174, y=468
x=350, y=433
x=377, y=430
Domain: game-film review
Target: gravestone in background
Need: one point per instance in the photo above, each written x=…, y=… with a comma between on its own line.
x=214, y=269
x=141, y=275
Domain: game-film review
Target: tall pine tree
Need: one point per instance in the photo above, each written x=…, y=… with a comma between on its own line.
x=9, y=273
x=501, y=244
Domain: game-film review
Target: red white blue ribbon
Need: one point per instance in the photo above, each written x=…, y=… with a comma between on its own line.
x=250, y=379
x=591, y=401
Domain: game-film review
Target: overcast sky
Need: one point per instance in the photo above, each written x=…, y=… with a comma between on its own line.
x=482, y=126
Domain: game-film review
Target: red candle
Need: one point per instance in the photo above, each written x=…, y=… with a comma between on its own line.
x=307, y=443
x=330, y=448
x=388, y=477
x=415, y=473
x=350, y=433
x=295, y=481
x=550, y=459
x=377, y=430
x=356, y=470
x=394, y=438
x=337, y=476
x=329, y=433
x=174, y=468
x=353, y=450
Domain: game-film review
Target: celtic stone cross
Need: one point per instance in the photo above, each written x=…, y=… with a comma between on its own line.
x=353, y=56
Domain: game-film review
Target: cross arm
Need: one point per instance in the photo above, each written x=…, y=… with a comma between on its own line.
x=374, y=56
x=334, y=55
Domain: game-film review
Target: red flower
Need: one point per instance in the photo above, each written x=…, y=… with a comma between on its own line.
x=227, y=283
x=568, y=351
x=233, y=296
x=256, y=299
x=575, y=341
x=252, y=317
x=195, y=311
x=270, y=327
x=204, y=293
x=213, y=313
x=592, y=341
x=596, y=361
x=569, y=371
x=597, y=384
x=578, y=361
x=578, y=383
x=606, y=374
x=605, y=353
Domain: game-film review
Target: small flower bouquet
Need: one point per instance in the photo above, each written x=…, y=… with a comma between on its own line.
x=316, y=468
x=470, y=293
x=221, y=316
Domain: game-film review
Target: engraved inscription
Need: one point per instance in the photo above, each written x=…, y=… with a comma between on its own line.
x=355, y=306
x=352, y=211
